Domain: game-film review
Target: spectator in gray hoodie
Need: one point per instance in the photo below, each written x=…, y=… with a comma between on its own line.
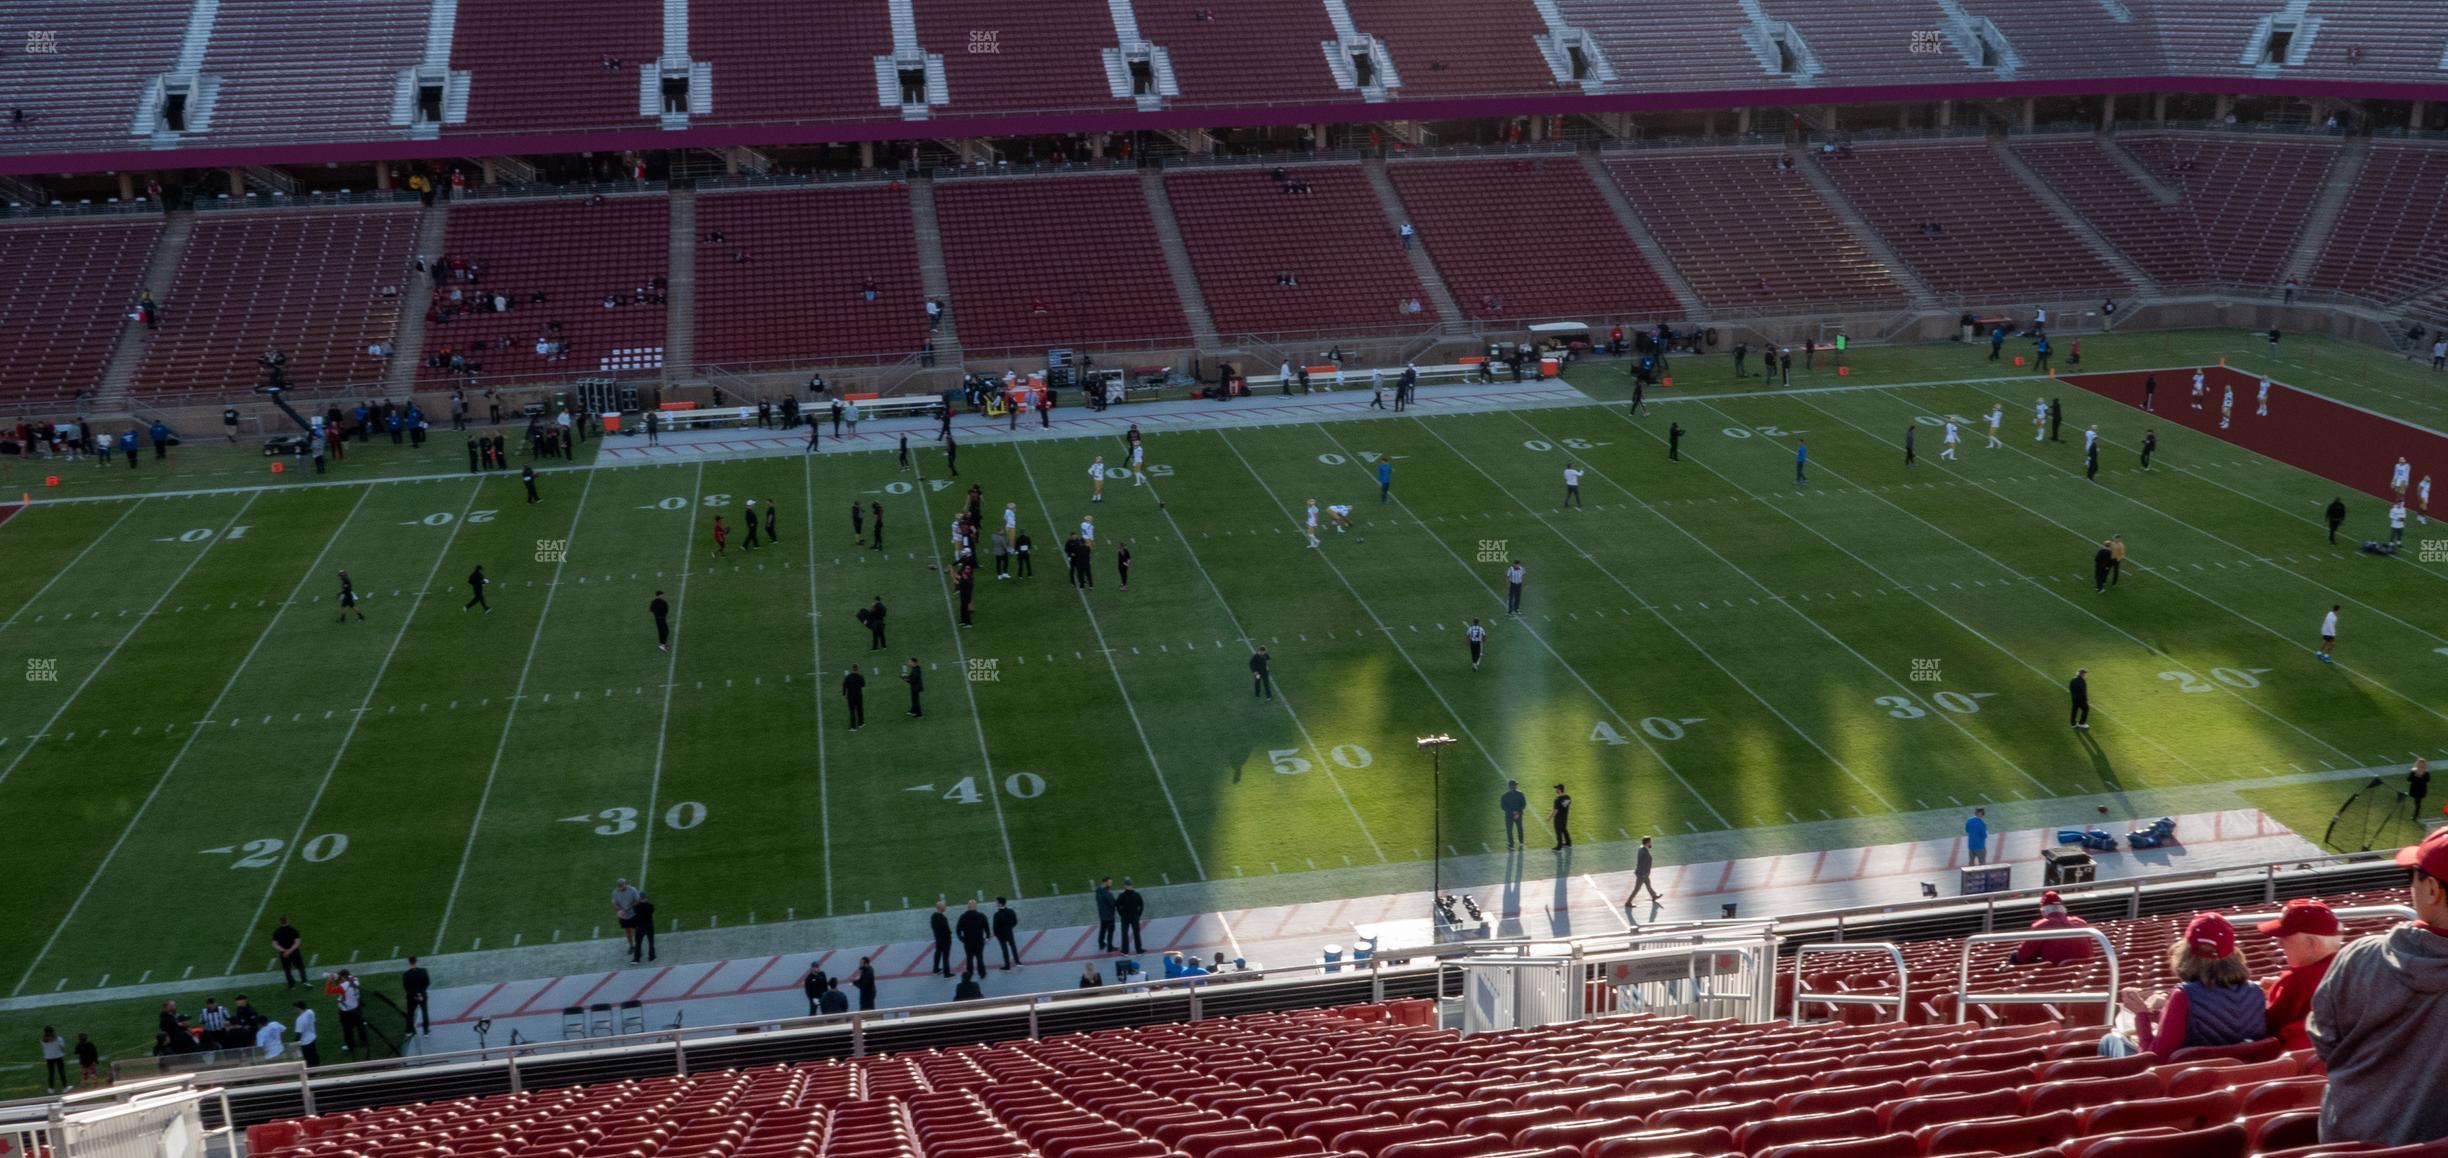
x=2379, y=1017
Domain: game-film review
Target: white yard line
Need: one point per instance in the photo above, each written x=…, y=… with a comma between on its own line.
x=2137, y=641
x=977, y=720
x=518, y=696
x=1120, y=685
x=213, y=711
x=1327, y=557
x=62, y=573
x=1935, y=711
x=1240, y=633
x=824, y=800
x=1634, y=730
x=218, y=538
x=1660, y=616
x=671, y=673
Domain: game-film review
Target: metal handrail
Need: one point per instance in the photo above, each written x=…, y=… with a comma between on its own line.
x=1965, y=998
x=1889, y=949
x=2241, y=919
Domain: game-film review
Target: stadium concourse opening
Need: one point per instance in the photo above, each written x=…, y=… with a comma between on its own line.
x=1906, y=529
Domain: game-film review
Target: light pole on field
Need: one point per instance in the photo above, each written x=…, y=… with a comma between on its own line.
x=1435, y=746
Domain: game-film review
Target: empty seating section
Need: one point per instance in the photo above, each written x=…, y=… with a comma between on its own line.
x=776, y=61
x=65, y=291
x=2207, y=37
x=1351, y=1083
x=2249, y=196
x=1680, y=46
x=82, y=92
x=2141, y=944
x=1877, y=43
x=998, y=57
x=2399, y=39
x=1055, y=262
x=2071, y=38
x=1334, y=240
x=1528, y=239
x=1482, y=48
x=309, y=283
x=1251, y=50
x=801, y=290
x=555, y=66
x=1993, y=236
x=2391, y=239
x=1745, y=233
x=2160, y=237
x=573, y=253
x=305, y=68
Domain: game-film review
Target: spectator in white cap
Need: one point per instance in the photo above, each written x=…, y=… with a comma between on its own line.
x=2379, y=1017
x=2308, y=934
x=2214, y=1002
x=2055, y=950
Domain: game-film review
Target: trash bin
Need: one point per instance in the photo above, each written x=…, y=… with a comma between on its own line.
x=2067, y=865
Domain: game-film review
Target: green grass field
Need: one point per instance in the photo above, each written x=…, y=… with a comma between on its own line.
x=1705, y=647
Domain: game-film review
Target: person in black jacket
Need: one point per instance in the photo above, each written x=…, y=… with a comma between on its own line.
x=2079, y=690
x=2337, y=518
x=1105, y=915
x=873, y=617
x=941, y=926
x=2101, y=561
x=833, y=1000
x=912, y=675
x=1006, y=931
x=972, y=931
x=416, y=984
x=863, y=979
x=854, y=690
x=660, y=608
x=812, y=983
x=476, y=583
x=1129, y=905
x=1262, y=684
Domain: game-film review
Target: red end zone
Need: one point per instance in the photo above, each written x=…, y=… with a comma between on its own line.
x=2341, y=443
x=8, y=511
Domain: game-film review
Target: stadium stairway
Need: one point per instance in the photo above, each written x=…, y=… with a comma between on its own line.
x=932, y=275
x=1923, y=297
x=1638, y=231
x=2322, y=221
x=2073, y=220
x=680, y=326
x=2141, y=173
x=1432, y=283
x=1177, y=261
x=111, y=391
x=408, y=346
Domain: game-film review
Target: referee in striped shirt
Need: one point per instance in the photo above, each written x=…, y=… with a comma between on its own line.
x=1478, y=642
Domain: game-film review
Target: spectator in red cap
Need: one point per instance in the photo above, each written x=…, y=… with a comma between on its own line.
x=2308, y=934
x=2214, y=1002
x=2055, y=950
x=2379, y=1017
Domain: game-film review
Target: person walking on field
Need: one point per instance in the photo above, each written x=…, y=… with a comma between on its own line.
x=915, y=677
x=1477, y=635
x=1129, y=907
x=1560, y=815
x=2337, y=518
x=1908, y=445
x=2116, y=559
x=854, y=694
x=1645, y=861
x=2328, y=644
x=476, y=583
x=660, y=609
x=722, y=537
x=2150, y=446
x=2418, y=785
x=1262, y=683
x=1096, y=480
x=1514, y=804
x=1801, y=462
x=2079, y=689
x=1514, y=574
x=2101, y=561
x=1572, y=486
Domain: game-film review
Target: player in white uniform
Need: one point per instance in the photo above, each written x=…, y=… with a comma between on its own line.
x=2261, y=401
x=2328, y=645
x=2422, y=500
x=1340, y=515
x=2398, y=476
x=2040, y=420
x=1309, y=523
x=2090, y=440
x=1997, y=414
x=1096, y=480
x=2226, y=407
x=2397, y=514
x=1011, y=528
x=2198, y=388
x=1138, y=469
x=1951, y=437
x=1478, y=642
x=1088, y=529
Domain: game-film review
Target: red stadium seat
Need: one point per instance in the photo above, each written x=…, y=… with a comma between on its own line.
x=1451, y=1111
x=1373, y=1140
x=1868, y=1075
x=2006, y=1135
x=2243, y=1075
x=1726, y=1114
x=1938, y=1084
x=1662, y=1143
x=2082, y=1092
x=1465, y=1146
x=1909, y=1114
x=1897, y=1145
x=2289, y=1094
x=2186, y=1113
x=1578, y=1132
x=1281, y=1148
x=1511, y=1123
x=2095, y=1067
x=1784, y=1130
x=2226, y=1140
x=1640, y=1104
x=2283, y=1130
x=1834, y=1098
x=2250, y=1051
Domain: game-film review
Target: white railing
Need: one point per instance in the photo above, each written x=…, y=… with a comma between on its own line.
x=1965, y=999
x=1887, y=949
x=158, y=1118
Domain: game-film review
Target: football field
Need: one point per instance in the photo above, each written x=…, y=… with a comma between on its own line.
x=198, y=748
